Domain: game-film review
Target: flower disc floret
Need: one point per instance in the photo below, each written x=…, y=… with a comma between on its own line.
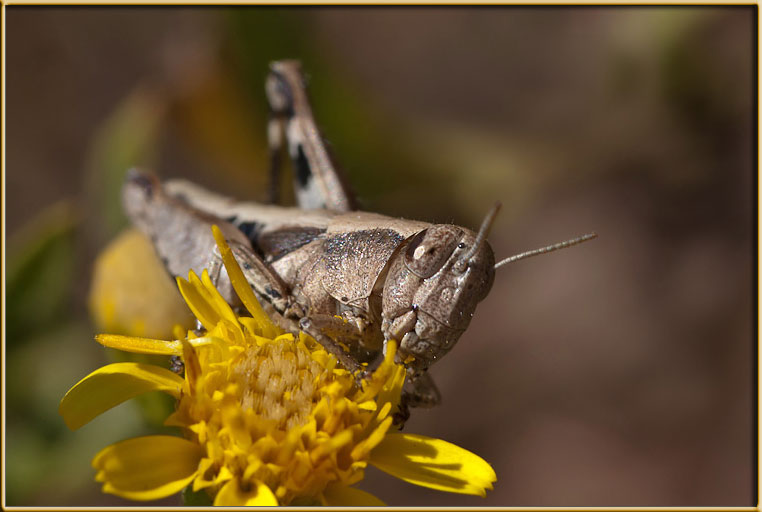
x=279, y=412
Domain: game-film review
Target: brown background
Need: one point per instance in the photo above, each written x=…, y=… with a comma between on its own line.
x=615, y=373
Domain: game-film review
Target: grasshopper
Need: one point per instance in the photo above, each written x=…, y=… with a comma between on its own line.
x=347, y=278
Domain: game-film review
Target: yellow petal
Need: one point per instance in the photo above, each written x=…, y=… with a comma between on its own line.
x=197, y=301
x=192, y=364
x=147, y=468
x=111, y=385
x=232, y=495
x=360, y=451
x=343, y=496
x=216, y=300
x=140, y=345
x=433, y=463
x=149, y=345
x=242, y=287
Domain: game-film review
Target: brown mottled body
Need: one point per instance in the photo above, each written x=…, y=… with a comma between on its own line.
x=345, y=277
x=386, y=278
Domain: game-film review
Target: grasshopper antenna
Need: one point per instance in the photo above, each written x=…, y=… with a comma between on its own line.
x=483, y=231
x=549, y=248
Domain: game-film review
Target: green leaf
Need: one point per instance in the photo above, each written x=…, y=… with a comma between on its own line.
x=196, y=499
x=40, y=269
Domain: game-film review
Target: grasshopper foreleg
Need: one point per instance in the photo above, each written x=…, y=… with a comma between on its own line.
x=335, y=327
x=420, y=390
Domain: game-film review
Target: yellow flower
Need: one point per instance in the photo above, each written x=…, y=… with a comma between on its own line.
x=269, y=419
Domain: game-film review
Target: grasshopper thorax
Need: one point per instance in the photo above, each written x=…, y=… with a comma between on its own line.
x=431, y=291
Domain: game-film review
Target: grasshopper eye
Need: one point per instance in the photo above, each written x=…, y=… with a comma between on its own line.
x=429, y=250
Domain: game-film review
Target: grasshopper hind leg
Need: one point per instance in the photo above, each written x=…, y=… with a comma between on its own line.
x=275, y=128
x=318, y=183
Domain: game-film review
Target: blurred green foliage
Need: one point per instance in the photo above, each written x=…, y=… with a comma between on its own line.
x=129, y=137
x=40, y=273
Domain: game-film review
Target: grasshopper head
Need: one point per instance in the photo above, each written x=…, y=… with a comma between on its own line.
x=433, y=287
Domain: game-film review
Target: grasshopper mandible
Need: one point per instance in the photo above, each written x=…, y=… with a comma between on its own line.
x=342, y=276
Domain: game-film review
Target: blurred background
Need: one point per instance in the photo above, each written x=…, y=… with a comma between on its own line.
x=614, y=373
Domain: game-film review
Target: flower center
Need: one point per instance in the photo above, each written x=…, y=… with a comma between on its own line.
x=278, y=382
